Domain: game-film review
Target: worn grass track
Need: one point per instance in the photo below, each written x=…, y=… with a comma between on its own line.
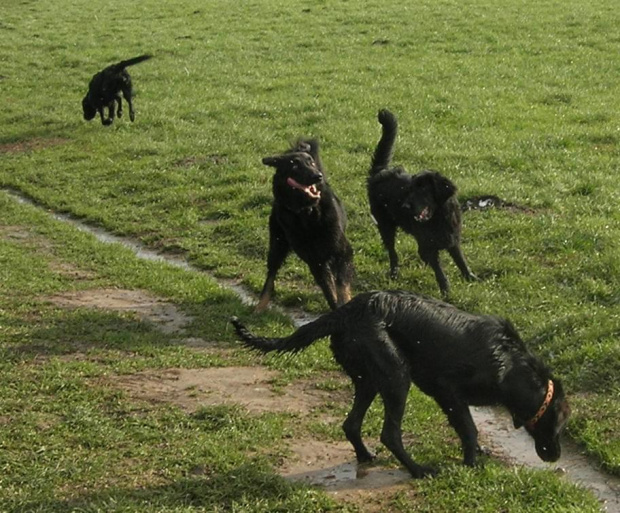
x=515, y=99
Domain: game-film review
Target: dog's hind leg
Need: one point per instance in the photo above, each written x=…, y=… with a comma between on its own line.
x=119, y=106
x=459, y=260
x=460, y=419
x=365, y=393
x=128, y=95
x=390, y=375
x=344, y=276
x=325, y=279
x=394, y=391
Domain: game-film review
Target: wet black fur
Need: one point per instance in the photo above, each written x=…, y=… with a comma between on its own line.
x=396, y=198
x=313, y=228
x=104, y=92
x=386, y=340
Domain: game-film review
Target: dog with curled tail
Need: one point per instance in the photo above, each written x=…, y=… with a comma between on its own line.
x=423, y=205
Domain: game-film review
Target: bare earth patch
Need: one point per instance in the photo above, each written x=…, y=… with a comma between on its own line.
x=329, y=465
x=164, y=315
x=36, y=143
x=250, y=387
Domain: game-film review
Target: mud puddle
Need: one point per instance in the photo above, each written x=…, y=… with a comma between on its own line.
x=333, y=467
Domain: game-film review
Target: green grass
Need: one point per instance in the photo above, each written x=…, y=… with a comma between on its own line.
x=70, y=441
x=511, y=98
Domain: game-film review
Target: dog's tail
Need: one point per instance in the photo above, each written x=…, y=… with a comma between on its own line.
x=383, y=153
x=301, y=339
x=131, y=62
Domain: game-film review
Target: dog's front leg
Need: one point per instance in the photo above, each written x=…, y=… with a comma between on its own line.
x=278, y=251
x=459, y=260
x=431, y=258
x=365, y=393
x=104, y=121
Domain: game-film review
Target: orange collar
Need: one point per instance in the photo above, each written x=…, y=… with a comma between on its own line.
x=543, y=407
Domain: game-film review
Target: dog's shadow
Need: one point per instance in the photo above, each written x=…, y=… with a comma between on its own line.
x=50, y=133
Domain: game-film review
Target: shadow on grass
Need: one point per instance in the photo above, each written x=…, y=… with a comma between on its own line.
x=50, y=134
x=248, y=485
x=83, y=330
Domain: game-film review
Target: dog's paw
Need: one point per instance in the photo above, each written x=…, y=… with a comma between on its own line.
x=366, y=457
x=472, y=277
x=394, y=272
x=421, y=471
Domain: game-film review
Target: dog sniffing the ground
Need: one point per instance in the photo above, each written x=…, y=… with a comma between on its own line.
x=105, y=88
x=423, y=205
x=308, y=218
x=386, y=340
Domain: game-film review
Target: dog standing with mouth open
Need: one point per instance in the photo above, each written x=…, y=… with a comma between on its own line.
x=423, y=205
x=308, y=218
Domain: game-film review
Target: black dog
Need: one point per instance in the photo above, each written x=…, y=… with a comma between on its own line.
x=308, y=218
x=105, y=88
x=386, y=340
x=423, y=205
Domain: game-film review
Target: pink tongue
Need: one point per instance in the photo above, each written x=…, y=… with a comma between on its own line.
x=309, y=190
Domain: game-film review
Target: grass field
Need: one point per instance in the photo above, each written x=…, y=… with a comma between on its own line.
x=517, y=99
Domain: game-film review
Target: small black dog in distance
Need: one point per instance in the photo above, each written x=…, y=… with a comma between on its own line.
x=308, y=218
x=386, y=340
x=104, y=92
x=423, y=205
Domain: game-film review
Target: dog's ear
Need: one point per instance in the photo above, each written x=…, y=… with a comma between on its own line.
x=313, y=148
x=444, y=188
x=314, y=152
x=273, y=161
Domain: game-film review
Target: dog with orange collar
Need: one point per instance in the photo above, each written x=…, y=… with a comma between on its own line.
x=386, y=340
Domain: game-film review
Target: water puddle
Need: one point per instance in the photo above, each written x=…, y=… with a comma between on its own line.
x=496, y=430
x=515, y=445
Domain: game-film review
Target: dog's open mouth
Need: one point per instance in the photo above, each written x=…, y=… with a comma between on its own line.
x=310, y=190
x=423, y=216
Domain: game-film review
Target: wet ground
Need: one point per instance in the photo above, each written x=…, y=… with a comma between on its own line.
x=330, y=465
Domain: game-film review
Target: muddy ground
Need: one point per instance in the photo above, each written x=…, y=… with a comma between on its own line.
x=330, y=465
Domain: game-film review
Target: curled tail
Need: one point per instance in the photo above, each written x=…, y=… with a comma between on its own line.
x=383, y=153
x=131, y=62
x=302, y=338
